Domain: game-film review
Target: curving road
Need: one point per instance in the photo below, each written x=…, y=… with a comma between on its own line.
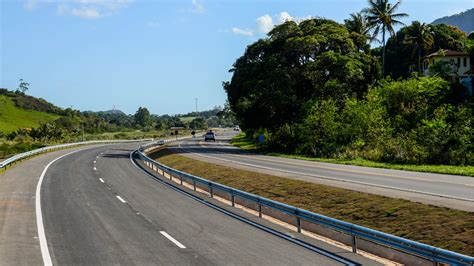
x=99, y=207
x=442, y=190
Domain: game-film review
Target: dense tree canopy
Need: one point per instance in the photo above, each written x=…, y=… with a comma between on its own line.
x=142, y=117
x=277, y=76
x=314, y=88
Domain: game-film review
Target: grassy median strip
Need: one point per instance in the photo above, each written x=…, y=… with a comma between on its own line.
x=441, y=227
x=247, y=144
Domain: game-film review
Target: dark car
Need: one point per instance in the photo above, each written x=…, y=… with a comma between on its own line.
x=210, y=136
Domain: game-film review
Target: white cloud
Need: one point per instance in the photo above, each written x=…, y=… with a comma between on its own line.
x=264, y=23
x=86, y=12
x=30, y=4
x=284, y=17
x=153, y=24
x=88, y=9
x=197, y=7
x=63, y=9
x=242, y=32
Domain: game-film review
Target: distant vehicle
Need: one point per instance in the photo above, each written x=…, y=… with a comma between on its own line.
x=210, y=136
x=236, y=128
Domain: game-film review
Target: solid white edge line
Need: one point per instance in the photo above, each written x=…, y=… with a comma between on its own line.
x=120, y=198
x=39, y=215
x=172, y=239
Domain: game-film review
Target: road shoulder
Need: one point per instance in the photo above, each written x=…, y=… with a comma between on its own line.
x=19, y=243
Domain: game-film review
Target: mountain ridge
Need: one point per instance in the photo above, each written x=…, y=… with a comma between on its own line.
x=464, y=20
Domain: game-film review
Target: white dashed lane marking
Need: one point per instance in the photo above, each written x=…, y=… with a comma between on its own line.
x=172, y=239
x=120, y=198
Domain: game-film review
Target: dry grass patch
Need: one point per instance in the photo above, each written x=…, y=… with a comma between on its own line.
x=437, y=226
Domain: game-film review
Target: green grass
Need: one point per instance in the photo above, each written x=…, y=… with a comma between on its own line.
x=245, y=143
x=187, y=119
x=13, y=118
x=9, y=148
x=438, y=226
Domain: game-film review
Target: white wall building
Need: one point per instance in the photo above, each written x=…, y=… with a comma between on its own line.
x=460, y=63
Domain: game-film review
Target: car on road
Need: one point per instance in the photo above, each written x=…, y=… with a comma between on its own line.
x=236, y=128
x=210, y=136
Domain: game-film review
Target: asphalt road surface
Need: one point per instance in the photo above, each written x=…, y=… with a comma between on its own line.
x=99, y=208
x=442, y=190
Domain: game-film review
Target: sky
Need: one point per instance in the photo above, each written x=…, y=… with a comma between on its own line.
x=100, y=54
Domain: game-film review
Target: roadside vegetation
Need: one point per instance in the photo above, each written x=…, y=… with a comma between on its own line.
x=441, y=227
x=315, y=88
x=28, y=123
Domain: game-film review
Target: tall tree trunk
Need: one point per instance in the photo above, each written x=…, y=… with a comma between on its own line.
x=383, y=51
x=419, y=61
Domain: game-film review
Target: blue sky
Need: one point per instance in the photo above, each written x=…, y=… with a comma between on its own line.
x=97, y=54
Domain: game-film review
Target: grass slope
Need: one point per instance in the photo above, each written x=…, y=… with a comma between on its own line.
x=441, y=227
x=245, y=143
x=13, y=118
x=187, y=119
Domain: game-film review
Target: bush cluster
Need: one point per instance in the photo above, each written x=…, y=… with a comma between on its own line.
x=408, y=121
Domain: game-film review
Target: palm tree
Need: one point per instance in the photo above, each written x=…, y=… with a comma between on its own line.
x=358, y=23
x=382, y=17
x=420, y=35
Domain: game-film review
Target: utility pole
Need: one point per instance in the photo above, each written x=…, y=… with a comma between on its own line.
x=196, y=99
x=82, y=131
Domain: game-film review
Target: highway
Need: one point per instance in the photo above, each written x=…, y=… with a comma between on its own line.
x=96, y=206
x=441, y=190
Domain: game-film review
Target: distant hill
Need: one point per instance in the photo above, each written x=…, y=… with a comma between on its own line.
x=464, y=20
x=13, y=117
x=108, y=112
x=114, y=112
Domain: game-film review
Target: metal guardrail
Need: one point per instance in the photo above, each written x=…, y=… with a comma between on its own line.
x=434, y=254
x=18, y=157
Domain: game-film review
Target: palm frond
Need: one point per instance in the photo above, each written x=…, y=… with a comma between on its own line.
x=399, y=15
x=397, y=22
x=395, y=7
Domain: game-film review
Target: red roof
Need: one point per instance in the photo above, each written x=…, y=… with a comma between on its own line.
x=448, y=53
x=470, y=72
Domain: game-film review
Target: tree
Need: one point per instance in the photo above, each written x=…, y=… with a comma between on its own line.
x=470, y=36
x=420, y=36
x=382, y=17
x=359, y=25
x=321, y=127
x=142, y=117
x=277, y=76
x=198, y=123
x=22, y=87
x=442, y=69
